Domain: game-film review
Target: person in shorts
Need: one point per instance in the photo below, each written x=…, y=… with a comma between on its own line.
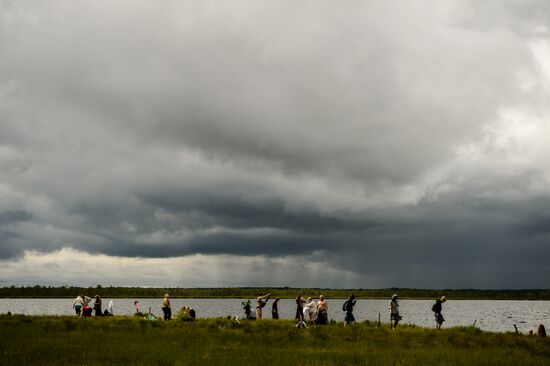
x=77, y=305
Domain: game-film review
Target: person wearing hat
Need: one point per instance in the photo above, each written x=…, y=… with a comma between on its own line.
x=437, y=308
x=394, y=311
x=166, y=308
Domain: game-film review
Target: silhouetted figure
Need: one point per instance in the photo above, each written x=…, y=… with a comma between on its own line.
x=97, y=306
x=437, y=308
x=275, y=309
x=348, y=308
x=541, y=331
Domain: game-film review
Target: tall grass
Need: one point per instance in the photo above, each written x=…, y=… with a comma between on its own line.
x=130, y=341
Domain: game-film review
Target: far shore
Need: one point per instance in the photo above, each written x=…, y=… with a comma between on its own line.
x=43, y=292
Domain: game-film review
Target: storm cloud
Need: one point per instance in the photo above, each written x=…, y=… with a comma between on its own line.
x=392, y=143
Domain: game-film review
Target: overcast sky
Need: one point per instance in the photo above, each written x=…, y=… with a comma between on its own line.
x=281, y=143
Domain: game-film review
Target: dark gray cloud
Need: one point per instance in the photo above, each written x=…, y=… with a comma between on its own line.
x=403, y=143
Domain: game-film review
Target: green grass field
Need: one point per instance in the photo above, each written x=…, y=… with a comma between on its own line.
x=28, y=340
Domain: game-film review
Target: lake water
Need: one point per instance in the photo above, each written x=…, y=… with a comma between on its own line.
x=490, y=315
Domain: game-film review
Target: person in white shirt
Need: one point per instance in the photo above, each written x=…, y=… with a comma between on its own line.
x=77, y=305
x=310, y=308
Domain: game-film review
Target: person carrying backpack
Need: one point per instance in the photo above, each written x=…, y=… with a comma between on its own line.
x=437, y=309
x=348, y=308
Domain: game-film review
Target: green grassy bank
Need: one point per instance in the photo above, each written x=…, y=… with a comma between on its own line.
x=26, y=340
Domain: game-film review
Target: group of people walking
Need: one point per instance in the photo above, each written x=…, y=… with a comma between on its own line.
x=81, y=306
x=306, y=309
x=317, y=312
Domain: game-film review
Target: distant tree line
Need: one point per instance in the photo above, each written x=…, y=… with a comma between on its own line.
x=282, y=292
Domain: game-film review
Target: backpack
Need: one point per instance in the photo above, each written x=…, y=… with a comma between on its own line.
x=345, y=306
x=433, y=307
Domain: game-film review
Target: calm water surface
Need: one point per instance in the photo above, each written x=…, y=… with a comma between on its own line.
x=489, y=315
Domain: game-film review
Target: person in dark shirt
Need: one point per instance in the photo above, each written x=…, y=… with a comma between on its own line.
x=97, y=306
x=348, y=307
x=247, y=310
x=275, y=309
x=437, y=308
